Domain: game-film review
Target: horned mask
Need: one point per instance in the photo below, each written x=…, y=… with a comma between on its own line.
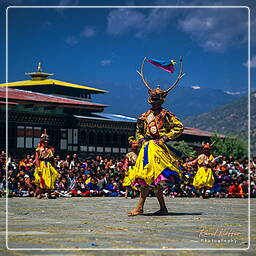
x=207, y=146
x=157, y=96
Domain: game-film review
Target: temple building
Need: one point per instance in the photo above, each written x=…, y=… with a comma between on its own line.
x=74, y=123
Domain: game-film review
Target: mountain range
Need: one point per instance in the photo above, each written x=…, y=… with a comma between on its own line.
x=229, y=119
x=214, y=110
x=131, y=100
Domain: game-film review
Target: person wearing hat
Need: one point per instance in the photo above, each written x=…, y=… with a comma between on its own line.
x=204, y=178
x=129, y=162
x=156, y=161
x=45, y=174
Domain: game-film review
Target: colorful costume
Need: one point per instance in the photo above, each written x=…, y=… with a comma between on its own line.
x=204, y=177
x=156, y=160
x=236, y=190
x=45, y=174
x=130, y=160
x=129, y=163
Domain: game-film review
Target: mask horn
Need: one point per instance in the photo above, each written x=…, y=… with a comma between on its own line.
x=141, y=74
x=179, y=77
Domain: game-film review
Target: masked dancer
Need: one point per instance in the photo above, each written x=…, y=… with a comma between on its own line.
x=45, y=174
x=129, y=163
x=156, y=161
x=204, y=178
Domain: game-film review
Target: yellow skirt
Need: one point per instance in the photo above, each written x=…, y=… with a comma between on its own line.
x=154, y=164
x=203, y=178
x=45, y=175
x=127, y=181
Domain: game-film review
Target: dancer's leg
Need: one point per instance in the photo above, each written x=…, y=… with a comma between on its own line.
x=139, y=208
x=126, y=193
x=39, y=192
x=202, y=191
x=133, y=195
x=160, y=197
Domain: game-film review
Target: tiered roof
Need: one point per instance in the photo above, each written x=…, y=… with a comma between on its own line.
x=49, y=92
x=39, y=82
x=16, y=96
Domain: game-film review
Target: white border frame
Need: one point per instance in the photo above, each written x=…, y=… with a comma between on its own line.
x=249, y=129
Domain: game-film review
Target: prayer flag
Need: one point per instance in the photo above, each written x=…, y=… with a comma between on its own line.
x=167, y=65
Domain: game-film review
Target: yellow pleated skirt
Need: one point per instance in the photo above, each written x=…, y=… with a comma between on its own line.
x=154, y=164
x=127, y=181
x=203, y=178
x=45, y=175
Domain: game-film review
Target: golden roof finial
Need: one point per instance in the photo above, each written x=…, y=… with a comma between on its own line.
x=39, y=68
x=39, y=75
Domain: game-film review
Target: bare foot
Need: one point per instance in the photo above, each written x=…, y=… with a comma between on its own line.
x=161, y=212
x=135, y=212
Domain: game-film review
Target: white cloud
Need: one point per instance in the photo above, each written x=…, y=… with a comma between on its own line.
x=252, y=62
x=121, y=21
x=197, y=23
x=196, y=87
x=88, y=31
x=232, y=93
x=105, y=62
x=212, y=29
x=156, y=20
x=216, y=29
x=72, y=40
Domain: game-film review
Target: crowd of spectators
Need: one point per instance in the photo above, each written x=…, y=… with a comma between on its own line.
x=103, y=176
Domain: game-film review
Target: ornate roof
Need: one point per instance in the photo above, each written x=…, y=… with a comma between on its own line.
x=27, y=97
x=51, y=82
x=40, y=83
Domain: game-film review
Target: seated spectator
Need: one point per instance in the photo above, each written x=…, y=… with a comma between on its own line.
x=244, y=186
x=111, y=189
x=235, y=190
x=62, y=188
x=80, y=188
x=104, y=175
x=93, y=187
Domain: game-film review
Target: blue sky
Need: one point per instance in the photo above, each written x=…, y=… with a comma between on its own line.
x=93, y=46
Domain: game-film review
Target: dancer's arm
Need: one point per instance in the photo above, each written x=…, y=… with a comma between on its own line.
x=37, y=159
x=174, y=127
x=126, y=164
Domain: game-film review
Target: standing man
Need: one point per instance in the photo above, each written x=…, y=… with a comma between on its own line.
x=156, y=161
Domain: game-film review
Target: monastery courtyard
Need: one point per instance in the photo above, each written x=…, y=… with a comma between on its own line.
x=102, y=223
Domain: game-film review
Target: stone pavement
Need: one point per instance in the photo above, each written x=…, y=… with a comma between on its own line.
x=102, y=223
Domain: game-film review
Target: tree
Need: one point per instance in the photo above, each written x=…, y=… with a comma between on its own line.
x=229, y=146
x=184, y=148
